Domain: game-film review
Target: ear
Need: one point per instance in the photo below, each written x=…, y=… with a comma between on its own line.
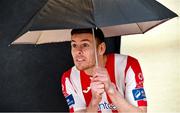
x=102, y=48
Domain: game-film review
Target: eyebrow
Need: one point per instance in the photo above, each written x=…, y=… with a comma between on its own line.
x=81, y=40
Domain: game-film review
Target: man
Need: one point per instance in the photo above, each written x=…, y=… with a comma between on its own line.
x=115, y=85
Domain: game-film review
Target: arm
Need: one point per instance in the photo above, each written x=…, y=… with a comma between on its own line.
x=74, y=101
x=122, y=105
x=117, y=99
x=97, y=89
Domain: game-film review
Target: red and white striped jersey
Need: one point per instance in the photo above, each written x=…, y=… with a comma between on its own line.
x=124, y=72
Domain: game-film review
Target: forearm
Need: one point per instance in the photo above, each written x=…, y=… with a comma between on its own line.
x=121, y=104
x=93, y=107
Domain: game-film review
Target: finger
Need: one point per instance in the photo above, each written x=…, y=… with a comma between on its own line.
x=101, y=79
x=100, y=73
x=99, y=76
x=100, y=91
x=96, y=86
x=100, y=86
x=99, y=70
x=96, y=83
x=96, y=79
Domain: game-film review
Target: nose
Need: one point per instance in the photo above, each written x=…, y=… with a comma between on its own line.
x=79, y=50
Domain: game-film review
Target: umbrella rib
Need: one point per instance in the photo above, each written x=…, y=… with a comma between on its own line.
x=38, y=38
x=93, y=11
x=139, y=27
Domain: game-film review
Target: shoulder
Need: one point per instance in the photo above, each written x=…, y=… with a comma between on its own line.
x=116, y=55
x=123, y=57
x=126, y=57
x=67, y=74
x=125, y=60
x=132, y=61
x=133, y=64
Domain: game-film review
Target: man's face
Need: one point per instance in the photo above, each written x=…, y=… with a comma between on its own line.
x=82, y=50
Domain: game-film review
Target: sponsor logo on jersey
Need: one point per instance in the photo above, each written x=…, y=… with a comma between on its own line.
x=138, y=94
x=106, y=105
x=87, y=90
x=70, y=100
x=140, y=81
x=140, y=76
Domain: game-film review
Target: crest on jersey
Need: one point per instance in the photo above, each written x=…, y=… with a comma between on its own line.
x=139, y=94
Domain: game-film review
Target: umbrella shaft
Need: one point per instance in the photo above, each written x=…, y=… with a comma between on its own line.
x=95, y=48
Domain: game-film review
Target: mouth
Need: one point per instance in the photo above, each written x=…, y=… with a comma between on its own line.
x=80, y=59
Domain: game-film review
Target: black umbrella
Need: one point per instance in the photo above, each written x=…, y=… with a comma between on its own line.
x=115, y=17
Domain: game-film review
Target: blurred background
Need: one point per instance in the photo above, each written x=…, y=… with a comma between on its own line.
x=158, y=52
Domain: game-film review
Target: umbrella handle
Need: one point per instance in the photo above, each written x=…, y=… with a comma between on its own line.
x=95, y=49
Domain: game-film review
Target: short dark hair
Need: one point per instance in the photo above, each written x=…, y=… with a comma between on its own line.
x=97, y=32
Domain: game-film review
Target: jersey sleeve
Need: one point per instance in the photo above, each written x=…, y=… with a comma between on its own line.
x=74, y=101
x=134, y=89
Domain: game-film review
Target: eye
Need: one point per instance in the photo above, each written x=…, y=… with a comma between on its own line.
x=85, y=45
x=73, y=45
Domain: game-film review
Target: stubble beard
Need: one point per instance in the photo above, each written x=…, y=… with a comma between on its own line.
x=84, y=67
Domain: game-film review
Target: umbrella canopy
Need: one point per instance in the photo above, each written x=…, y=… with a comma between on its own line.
x=54, y=21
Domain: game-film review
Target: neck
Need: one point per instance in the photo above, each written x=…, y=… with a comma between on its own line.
x=102, y=62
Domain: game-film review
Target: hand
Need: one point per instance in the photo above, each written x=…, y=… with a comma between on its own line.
x=97, y=89
x=100, y=74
